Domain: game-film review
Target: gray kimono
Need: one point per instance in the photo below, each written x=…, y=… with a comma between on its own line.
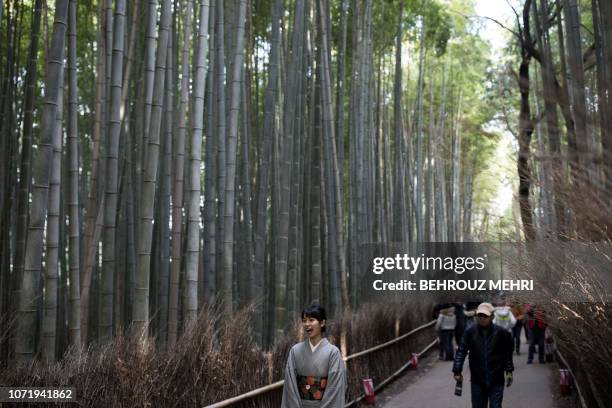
x=314, y=379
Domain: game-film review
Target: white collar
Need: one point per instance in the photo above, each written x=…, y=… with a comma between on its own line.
x=313, y=348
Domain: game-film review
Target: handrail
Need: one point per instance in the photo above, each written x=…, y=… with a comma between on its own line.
x=279, y=384
x=252, y=393
x=569, y=369
x=390, y=342
x=395, y=374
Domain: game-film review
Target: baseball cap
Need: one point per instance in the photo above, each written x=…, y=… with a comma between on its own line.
x=485, y=308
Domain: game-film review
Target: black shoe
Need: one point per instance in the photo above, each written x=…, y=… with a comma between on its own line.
x=542, y=362
x=529, y=362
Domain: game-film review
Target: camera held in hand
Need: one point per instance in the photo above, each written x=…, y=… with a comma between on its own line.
x=458, y=388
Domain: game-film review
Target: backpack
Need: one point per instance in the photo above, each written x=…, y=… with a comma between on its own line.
x=536, y=317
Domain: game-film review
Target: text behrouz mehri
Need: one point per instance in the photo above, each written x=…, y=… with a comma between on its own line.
x=460, y=285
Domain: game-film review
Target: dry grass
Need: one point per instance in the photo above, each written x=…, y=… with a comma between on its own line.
x=574, y=283
x=214, y=360
x=574, y=292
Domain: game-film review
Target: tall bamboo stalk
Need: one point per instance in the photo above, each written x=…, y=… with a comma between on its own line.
x=25, y=344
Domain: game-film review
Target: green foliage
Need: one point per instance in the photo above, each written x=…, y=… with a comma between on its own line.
x=438, y=26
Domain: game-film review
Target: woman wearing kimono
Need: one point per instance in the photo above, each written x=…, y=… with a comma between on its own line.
x=315, y=375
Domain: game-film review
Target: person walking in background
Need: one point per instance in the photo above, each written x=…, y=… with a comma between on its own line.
x=537, y=327
x=526, y=309
x=504, y=317
x=445, y=326
x=315, y=375
x=490, y=349
x=517, y=311
x=434, y=315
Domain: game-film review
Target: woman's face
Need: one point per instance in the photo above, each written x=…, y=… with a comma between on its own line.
x=312, y=327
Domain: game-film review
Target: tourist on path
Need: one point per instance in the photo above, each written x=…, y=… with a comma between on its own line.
x=537, y=326
x=517, y=311
x=445, y=327
x=490, y=349
x=504, y=318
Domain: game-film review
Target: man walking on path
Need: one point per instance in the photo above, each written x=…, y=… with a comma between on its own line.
x=537, y=326
x=490, y=348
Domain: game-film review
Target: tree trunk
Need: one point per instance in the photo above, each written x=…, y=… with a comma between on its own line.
x=140, y=318
x=576, y=83
x=552, y=120
x=221, y=144
x=51, y=271
x=263, y=183
x=94, y=210
x=605, y=90
x=109, y=262
x=149, y=73
x=232, y=140
x=179, y=182
x=284, y=278
x=525, y=131
x=419, y=144
x=164, y=196
x=400, y=223
x=27, y=312
x=74, y=315
x=455, y=220
x=190, y=303
x=247, y=230
x=25, y=167
x=332, y=156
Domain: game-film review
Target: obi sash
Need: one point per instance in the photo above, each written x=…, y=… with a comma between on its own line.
x=311, y=388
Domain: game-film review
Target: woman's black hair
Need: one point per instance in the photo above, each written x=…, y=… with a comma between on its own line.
x=315, y=311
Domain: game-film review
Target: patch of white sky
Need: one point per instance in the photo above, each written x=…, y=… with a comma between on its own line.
x=500, y=11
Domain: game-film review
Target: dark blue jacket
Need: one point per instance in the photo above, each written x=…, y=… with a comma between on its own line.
x=490, y=355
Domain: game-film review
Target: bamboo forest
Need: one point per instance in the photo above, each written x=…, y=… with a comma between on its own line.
x=180, y=178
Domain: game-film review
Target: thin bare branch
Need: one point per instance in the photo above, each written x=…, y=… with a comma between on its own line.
x=499, y=23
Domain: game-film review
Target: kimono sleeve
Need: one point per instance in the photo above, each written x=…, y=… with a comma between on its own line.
x=334, y=396
x=291, y=395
